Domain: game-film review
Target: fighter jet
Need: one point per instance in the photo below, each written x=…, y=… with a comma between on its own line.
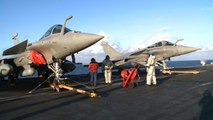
x=55, y=45
x=163, y=50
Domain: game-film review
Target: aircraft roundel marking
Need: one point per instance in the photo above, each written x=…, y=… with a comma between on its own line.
x=37, y=58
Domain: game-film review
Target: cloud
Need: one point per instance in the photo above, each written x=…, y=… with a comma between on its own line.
x=106, y=36
x=210, y=46
x=150, y=39
x=163, y=29
x=207, y=9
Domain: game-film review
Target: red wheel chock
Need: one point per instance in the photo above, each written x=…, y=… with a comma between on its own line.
x=128, y=76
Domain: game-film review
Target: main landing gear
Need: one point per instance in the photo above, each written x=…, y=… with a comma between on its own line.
x=58, y=81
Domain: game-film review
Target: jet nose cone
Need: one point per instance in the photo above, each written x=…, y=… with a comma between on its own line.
x=185, y=50
x=190, y=49
x=87, y=40
x=93, y=38
x=90, y=39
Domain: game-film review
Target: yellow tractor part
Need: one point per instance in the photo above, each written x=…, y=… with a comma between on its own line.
x=180, y=72
x=60, y=86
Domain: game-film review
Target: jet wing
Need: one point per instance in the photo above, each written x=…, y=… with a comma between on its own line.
x=17, y=49
x=9, y=57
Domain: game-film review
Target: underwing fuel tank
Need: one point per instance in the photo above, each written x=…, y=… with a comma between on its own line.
x=28, y=72
x=68, y=66
x=5, y=69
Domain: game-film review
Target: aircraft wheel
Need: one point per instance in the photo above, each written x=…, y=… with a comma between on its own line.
x=55, y=87
x=91, y=91
x=132, y=85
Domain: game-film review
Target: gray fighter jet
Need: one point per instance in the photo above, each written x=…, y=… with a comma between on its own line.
x=54, y=46
x=163, y=50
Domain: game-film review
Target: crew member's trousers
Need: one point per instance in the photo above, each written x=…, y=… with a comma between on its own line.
x=151, y=78
x=93, y=78
x=108, y=75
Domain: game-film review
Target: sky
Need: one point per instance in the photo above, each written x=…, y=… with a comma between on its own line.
x=126, y=24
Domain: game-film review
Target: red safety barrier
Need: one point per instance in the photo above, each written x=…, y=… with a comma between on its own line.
x=129, y=75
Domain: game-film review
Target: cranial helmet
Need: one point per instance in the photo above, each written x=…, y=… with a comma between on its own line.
x=151, y=53
x=107, y=57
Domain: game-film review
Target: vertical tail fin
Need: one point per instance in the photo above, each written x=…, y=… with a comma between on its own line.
x=110, y=51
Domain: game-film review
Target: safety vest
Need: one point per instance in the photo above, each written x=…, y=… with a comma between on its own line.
x=93, y=67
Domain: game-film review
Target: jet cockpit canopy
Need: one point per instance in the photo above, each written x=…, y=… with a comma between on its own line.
x=53, y=30
x=161, y=43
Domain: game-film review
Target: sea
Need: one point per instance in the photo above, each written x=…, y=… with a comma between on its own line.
x=80, y=69
x=187, y=63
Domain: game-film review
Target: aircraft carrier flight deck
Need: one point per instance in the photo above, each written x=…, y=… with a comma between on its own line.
x=177, y=97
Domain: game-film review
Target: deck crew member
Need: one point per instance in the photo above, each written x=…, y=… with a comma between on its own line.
x=151, y=78
x=93, y=67
x=107, y=66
